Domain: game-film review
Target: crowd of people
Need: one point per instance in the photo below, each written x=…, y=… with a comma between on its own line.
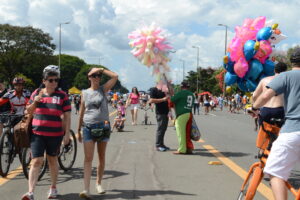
x=50, y=109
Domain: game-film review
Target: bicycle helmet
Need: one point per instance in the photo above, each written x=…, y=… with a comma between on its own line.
x=295, y=56
x=18, y=80
x=51, y=68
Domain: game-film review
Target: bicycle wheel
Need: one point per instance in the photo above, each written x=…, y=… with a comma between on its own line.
x=26, y=161
x=6, y=153
x=67, y=156
x=250, y=188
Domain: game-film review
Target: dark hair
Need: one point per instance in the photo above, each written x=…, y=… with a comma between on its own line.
x=132, y=91
x=295, y=56
x=49, y=73
x=280, y=67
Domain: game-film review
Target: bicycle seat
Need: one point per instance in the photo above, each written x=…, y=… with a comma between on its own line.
x=267, y=134
x=277, y=122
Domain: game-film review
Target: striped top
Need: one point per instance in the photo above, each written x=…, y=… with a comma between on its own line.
x=47, y=116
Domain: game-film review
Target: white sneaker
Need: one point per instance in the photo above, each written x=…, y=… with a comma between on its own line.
x=84, y=194
x=52, y=193
x=100, y=189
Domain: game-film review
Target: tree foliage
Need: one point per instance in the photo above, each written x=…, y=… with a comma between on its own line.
x=24, y=50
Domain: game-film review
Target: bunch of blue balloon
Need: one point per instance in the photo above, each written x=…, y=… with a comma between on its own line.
x=256, y=61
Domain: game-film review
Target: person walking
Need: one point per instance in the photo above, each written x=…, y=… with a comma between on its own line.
x=47, y=105
x=93, y=118
x=196, y=103
x=183, y=102
x=133, y=103
x=160, y=99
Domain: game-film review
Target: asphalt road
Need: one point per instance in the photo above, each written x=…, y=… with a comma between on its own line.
x=135, y=170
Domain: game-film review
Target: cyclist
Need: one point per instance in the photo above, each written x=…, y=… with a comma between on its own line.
x=286, y=149
x=274, y=107
x=4, y=107
x=18, y=97
x=47, y=105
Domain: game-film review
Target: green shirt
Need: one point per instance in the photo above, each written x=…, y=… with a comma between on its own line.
x=183, y=101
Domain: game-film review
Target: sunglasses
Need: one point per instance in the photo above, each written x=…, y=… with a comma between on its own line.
x=55, y=80
x=95, y=75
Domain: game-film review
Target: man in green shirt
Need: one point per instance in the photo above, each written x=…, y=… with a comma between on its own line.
x=183, y=101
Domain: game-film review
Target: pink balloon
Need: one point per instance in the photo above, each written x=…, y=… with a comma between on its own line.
x=235, y=49
x=241, y=67
x=265, y=49
x=139, y=52
x=247, y=22
x=259, y=23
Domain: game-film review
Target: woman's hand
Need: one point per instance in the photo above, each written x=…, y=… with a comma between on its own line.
x=79, y=136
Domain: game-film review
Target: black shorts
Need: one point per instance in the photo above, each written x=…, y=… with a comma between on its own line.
x=266, y=114
x=39, y=144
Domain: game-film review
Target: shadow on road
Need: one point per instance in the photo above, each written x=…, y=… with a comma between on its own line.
x=77, y=173
x=206, y=153
x=127, y=194
x=294, y=179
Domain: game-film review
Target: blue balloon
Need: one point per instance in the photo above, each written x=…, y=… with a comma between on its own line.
x=251, y=85
x=255, y=70
x=230, y=78
x=229, y=65
x=262, y=76
x=242, y=84
x=269, y=68
x=264, y=33
x=249, y=50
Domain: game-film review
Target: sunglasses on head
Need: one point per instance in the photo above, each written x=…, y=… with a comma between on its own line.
x=95, y=75
x=54, y=79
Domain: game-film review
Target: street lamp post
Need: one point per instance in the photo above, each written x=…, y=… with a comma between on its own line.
x=197, y=66
x=225, y=52
x=183, y=69
x=60, y=41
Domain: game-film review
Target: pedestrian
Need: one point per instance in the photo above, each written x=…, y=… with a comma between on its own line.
x=77, y=101
x=221, y=102
x=285, y=150
x=206, y=104
x=160, y=99
x=47, y=105
x=133, y=104
x=196, y=103
x=6, y=106
x=94, y=124
x=183, y=102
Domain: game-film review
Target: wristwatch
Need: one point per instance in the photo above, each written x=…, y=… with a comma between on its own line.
x=254, y=109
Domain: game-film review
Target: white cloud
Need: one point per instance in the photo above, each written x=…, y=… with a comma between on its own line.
x=99, y=28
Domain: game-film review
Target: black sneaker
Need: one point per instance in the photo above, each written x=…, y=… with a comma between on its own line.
x=167, y=148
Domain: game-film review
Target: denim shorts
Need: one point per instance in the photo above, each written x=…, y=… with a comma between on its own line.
x=87, y=136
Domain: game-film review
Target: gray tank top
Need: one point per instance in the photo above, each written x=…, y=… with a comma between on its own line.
x=96, y=108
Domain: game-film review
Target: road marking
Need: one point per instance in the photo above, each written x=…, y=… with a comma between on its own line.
x=12, y=174
x=208, y=114
x=201, y=141
x=262, y=188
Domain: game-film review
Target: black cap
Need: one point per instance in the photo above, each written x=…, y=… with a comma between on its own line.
x=295, y=56
x=185, y=84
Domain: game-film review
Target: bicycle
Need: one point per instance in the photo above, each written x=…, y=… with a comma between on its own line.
x=268, y=133
x=8, y=150
x=66, y=157
x=146, y=117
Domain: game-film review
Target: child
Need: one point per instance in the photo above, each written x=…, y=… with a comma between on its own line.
x=119, y=122
x=121, y=108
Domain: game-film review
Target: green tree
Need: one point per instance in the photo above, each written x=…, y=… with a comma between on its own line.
x=24, y=50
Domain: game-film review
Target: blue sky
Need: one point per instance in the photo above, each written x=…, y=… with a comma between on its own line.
x=99, y=28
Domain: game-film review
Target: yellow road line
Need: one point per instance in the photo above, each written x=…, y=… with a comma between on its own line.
x=19, y=170
x=262, y=188
x=11, y=175
x=201, y=141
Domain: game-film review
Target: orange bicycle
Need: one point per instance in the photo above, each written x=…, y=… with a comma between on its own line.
x=268, y=133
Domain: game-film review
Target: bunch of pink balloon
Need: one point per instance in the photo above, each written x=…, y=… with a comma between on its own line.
x=151, y=48
x=247, y=61
x=149, y=45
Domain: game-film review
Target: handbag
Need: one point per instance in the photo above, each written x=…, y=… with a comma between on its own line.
x=102, y=131
x=22, y=132
x=195, y=132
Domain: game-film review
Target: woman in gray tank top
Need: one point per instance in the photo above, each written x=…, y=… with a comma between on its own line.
x=94, y=121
